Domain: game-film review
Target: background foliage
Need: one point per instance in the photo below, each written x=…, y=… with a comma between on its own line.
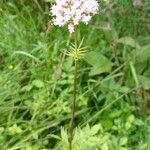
x=36, y=78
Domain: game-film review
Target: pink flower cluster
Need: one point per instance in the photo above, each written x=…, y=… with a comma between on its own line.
x=72, y=12
x=137, y=3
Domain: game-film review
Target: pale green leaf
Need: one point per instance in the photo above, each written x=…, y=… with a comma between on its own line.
x=123, y=148
x=38, y=83
x=123, y=141
x=143, y=53
x=26, y=54
x=131, y=118
x=95, y=129
x=100, y=63
x=145, y=81
x=105, y=146
x=139, y=122
x=27, y=88
x=128, y=41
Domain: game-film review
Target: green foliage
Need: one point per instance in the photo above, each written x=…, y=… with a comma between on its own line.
x=99, y=62
x=84, y=139
x=36, y=79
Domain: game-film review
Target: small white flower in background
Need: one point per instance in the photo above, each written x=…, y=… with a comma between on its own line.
x=72, y=12
x=137, y=3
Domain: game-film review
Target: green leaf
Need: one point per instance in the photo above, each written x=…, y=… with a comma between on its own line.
x=115, y=113
x=110, y=32
x=27, y=88
x=99, y=62
x=123, y=148
x=55, y=136
x=129, y=41
x=107, y=124
x=2, y=129
x=67, y=65
x=131, y=118
x=139, y=122
x=145, y=81
x=93, y=140
x=123, y=141
x=128, y=125
x=38, y=83
x=105, y=146
x=95, y=129
x=26, y=54
x=64, y=137
x=143, y=53
x=134, y=73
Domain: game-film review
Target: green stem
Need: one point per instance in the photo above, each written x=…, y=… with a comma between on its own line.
x=74, y=95
x=74, y=104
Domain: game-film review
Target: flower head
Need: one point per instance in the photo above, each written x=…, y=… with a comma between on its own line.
x=72, y=12
x=137, y=3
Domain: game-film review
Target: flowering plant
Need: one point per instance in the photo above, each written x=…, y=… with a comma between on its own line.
x=72, y=12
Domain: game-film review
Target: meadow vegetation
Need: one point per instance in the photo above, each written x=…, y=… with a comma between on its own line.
x=36, y=78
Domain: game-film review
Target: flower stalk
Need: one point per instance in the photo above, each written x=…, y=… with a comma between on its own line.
x=73, y=105
x=72, y=13
x=75, y=56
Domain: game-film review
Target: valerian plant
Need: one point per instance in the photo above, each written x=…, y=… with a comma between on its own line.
x=71, y=13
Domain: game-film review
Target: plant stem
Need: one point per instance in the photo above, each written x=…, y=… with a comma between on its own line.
x=74, y=104
x=74, y=95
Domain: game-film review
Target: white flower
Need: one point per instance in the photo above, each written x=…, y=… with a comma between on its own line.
x=71, y=28
x=72, y=12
